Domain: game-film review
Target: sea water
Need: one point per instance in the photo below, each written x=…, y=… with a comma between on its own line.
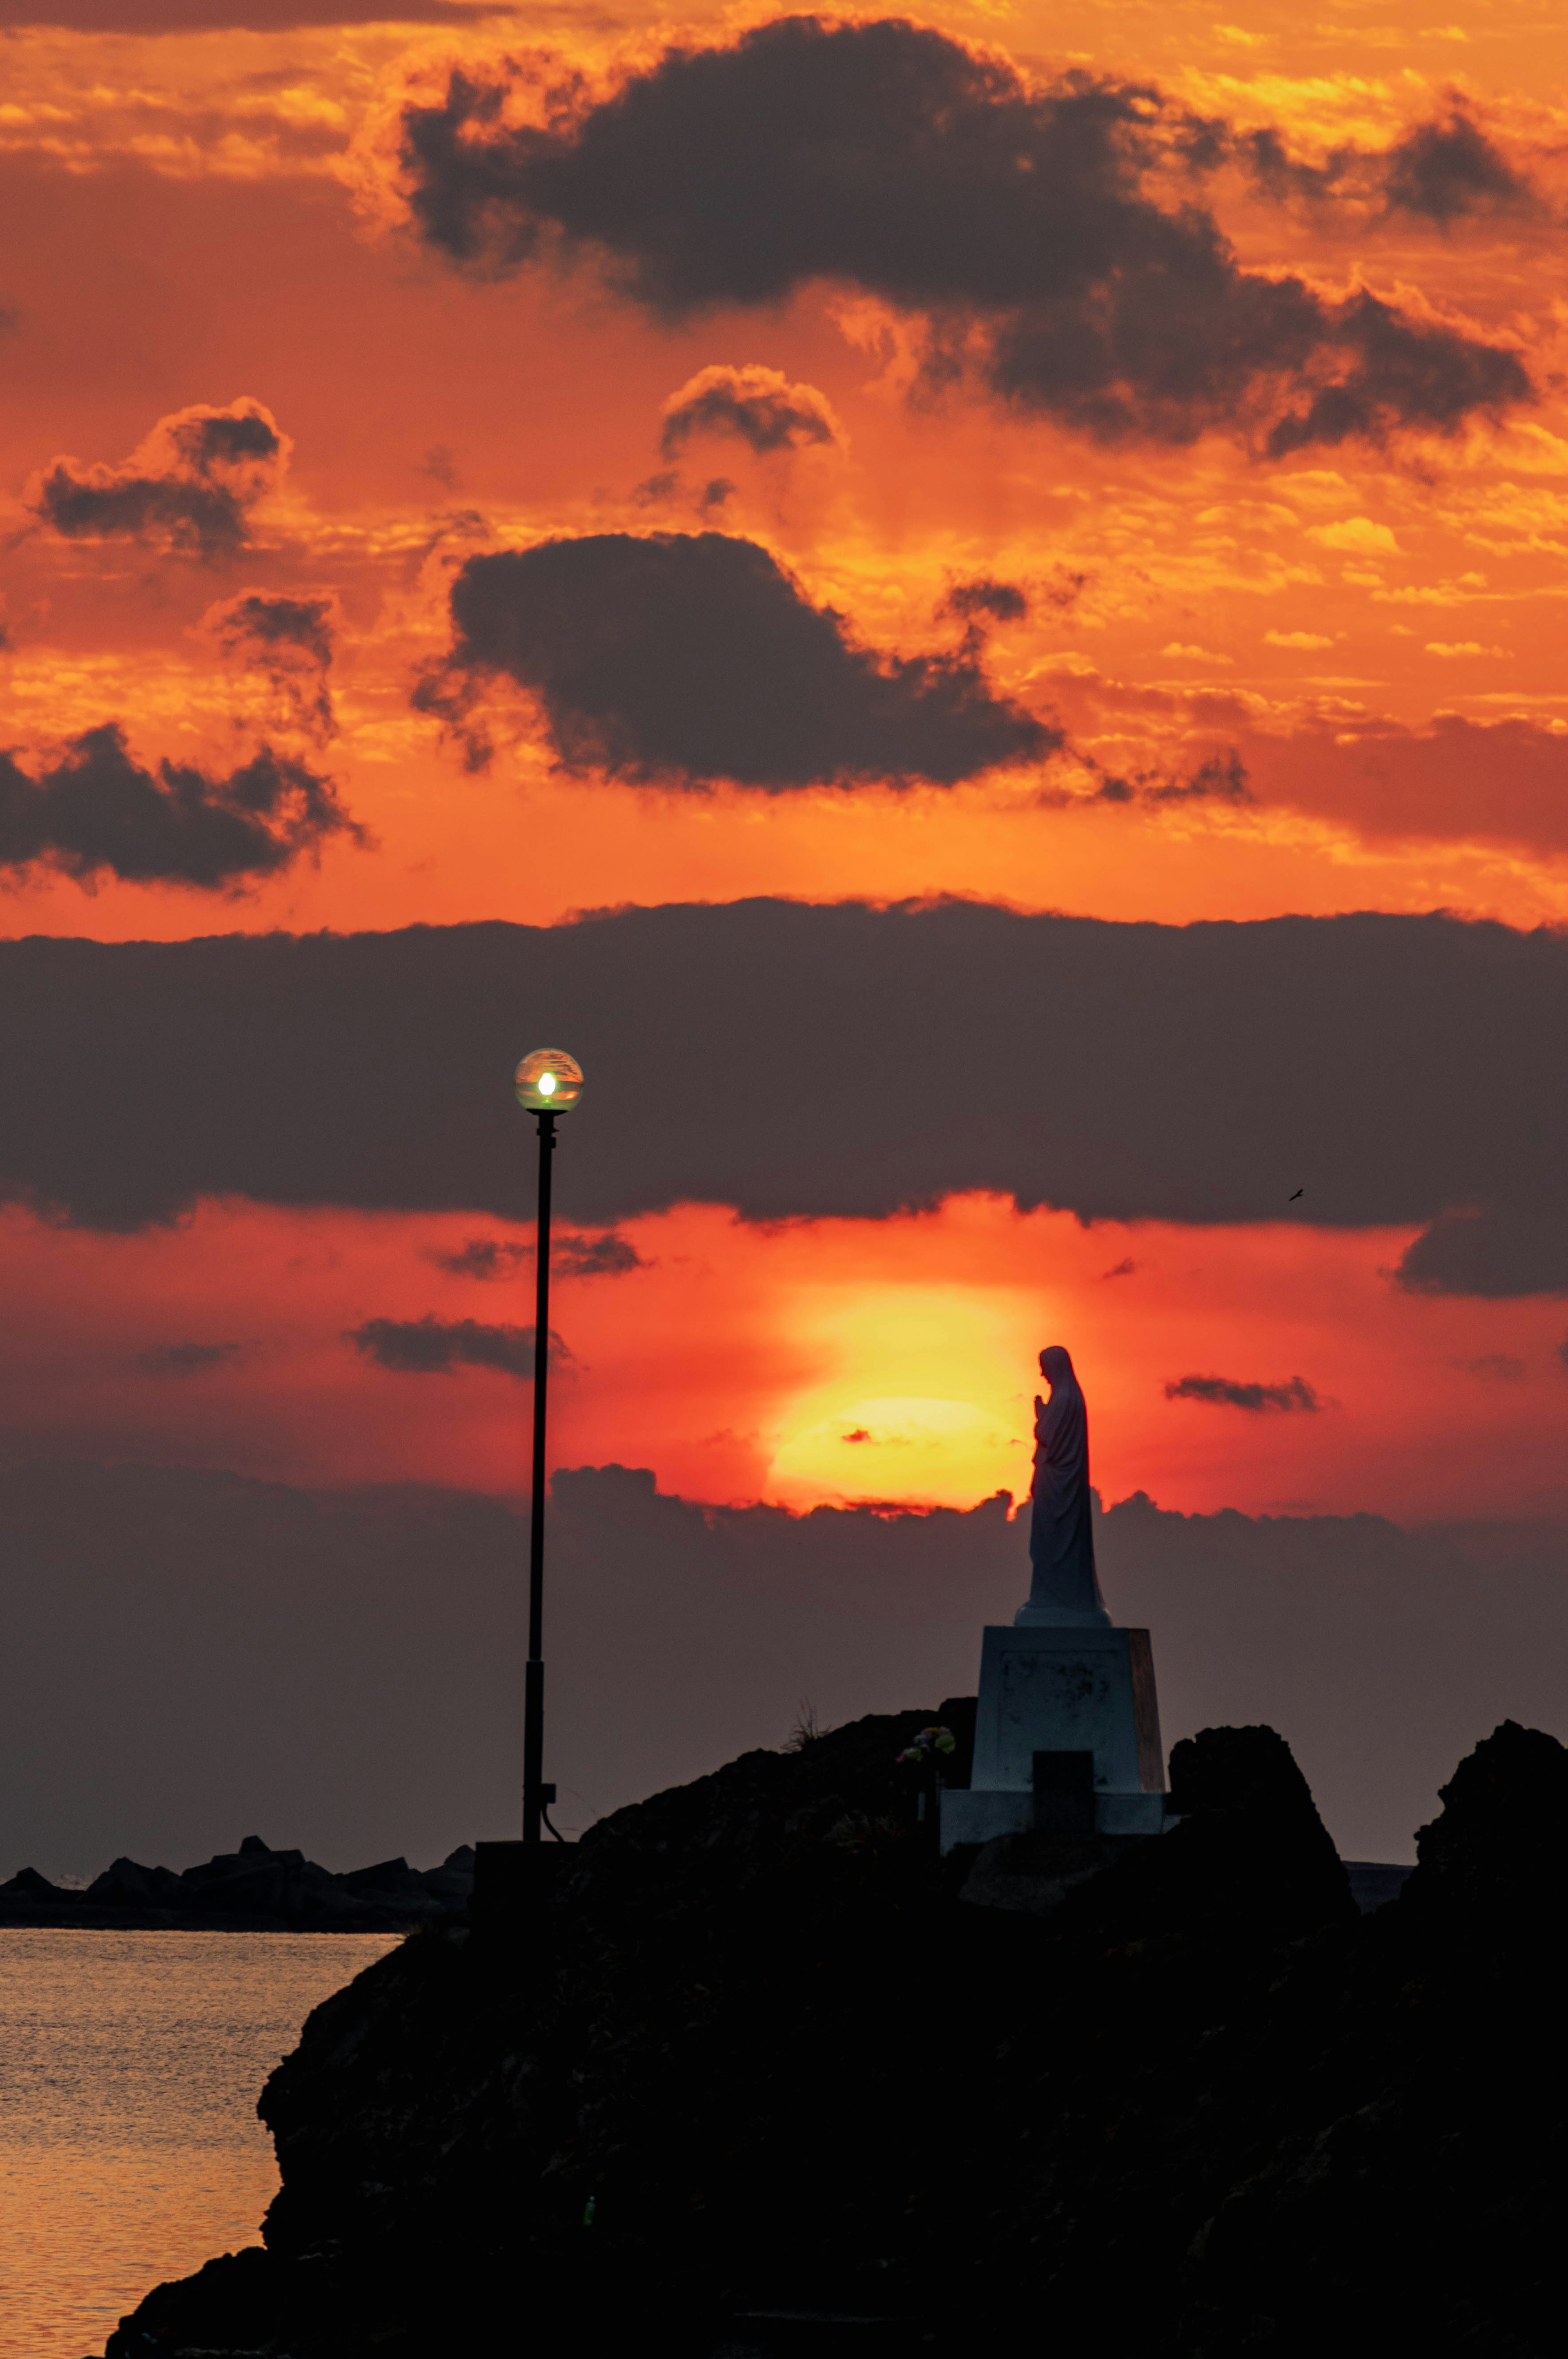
x=130, y=2151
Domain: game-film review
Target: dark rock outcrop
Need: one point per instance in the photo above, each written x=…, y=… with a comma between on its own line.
x=28, y=1889
x=752, y=2060
x=125, y=1884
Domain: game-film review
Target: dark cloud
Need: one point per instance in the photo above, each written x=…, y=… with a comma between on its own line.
x=189, y=487
x=1126, y=1267
x=1223, y=1392
x=1495, y=1368
x=1493, y=1251
x=187, y=1359
x=998, y=601
x=797, y=1062
x=1017, y=221
x=1273, y=171
x=685, y=657
x=95, y=810
x=1220, y=777
x=1446, y=170
x=605, y=1256
x=760, y=405
x=290, y=640
x=570, y=1256
x=344, y=1666
x=258, y=620
x=1442, y=173
x=436, y=1347
x=440, y=463
x=485, y=1258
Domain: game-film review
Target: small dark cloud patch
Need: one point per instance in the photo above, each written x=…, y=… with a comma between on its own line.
x=437, y=1347
x=96, y=810
x=994, y=602
x=859, y=1433
x=606, y=1256
x=1220, y=778
x=490, y=1258
x=759, y=405
x=1444, y=171
x=189, y=487
x=485, y=1258
x=263, y=619
x=440, y=463
x=1562, y=1354
x=1224, y=1394
x=1496, y=1251
x=1493, y=1368
x=1122, y=1270
x=1024, y=227
x=187, y=1359
x=715, y=494
x=291, y=641
x=680, y=659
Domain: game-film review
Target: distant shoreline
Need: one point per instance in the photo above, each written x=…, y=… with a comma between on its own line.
x=178, y=1921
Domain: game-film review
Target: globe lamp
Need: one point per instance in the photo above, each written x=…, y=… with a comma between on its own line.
x=549, y=1081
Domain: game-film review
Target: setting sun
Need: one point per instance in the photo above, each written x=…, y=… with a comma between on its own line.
x=918, y=1406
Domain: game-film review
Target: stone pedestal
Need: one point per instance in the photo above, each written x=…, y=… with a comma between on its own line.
x=1053, y=1688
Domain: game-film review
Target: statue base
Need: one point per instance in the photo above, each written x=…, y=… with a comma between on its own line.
x=1067, y=1735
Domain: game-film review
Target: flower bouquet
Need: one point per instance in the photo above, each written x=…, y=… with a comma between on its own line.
x=924, y=1754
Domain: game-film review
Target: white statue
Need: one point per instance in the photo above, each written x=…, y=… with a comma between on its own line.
x=1065, y=1588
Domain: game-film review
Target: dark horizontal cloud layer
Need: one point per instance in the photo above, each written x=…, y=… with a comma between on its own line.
x=683, y=657
x=795, y=1062
x=95, y=811
x=436, y=1347
x=1224, y=1392
x=344, y=1665
x=189, y=487
x=1017, y=222
x=1494, y=1251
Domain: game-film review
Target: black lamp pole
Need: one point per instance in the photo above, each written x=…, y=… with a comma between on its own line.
x=536, y=1795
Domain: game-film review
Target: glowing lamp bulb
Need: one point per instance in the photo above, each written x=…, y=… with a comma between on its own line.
x=549, y=1081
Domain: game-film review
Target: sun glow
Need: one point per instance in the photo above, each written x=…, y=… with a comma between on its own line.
x=919, y=1406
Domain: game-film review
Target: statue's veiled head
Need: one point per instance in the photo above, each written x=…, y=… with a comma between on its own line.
x=1056, y=1366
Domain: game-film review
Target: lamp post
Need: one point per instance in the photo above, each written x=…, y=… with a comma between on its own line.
x=548, y=1083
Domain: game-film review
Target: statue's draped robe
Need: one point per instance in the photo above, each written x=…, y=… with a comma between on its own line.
x=1061, y=1536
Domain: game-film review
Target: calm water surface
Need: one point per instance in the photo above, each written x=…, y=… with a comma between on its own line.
x=130, y=2065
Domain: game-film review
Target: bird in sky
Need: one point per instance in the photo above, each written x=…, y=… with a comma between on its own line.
x=1299, y=1192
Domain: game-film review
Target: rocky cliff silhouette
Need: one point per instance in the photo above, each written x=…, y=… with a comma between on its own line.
x=755, y=2076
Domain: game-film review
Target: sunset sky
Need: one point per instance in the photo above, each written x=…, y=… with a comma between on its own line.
x=1102, y=462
